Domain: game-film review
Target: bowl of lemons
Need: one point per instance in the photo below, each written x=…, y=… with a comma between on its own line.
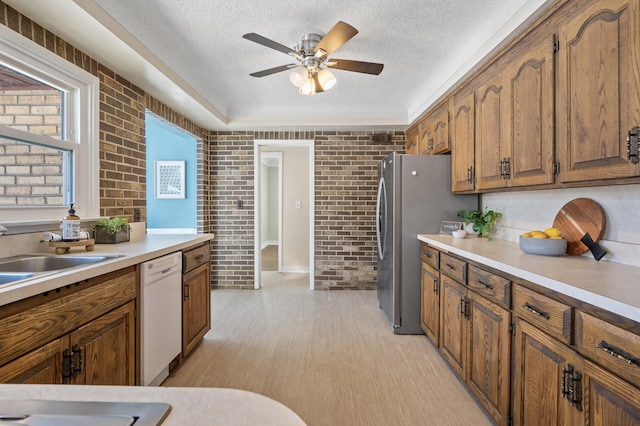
x=546, y=243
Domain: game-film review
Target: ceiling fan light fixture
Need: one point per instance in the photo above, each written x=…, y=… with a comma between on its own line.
x=326, y=79
x=298, y=76
x=309, y=87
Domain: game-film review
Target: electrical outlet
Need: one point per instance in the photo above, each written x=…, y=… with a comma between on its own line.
x=240, y=204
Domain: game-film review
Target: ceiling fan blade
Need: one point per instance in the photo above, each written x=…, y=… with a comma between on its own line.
x=274, y=70
x=355, y=66
x=269, y=43
x=336, y=37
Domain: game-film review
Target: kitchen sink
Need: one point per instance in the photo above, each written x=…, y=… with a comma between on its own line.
x=9, y=277
x=75, y=413
x=45, y=263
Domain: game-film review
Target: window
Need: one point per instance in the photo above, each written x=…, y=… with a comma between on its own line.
x=48, y=134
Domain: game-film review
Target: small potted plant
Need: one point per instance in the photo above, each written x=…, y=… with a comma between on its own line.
x=479, y=222
x=111, y=231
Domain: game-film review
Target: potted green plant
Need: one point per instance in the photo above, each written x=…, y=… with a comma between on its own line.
x=111, y=231
x=479, y=222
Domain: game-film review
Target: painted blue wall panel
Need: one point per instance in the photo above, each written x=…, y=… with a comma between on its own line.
x=166, y=142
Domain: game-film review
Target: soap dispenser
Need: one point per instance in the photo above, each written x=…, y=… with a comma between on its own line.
x=71, y=226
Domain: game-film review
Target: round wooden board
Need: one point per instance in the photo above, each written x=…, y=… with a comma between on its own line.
x=578, y=217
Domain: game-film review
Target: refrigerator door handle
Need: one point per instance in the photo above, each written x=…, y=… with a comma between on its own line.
x=381, y=217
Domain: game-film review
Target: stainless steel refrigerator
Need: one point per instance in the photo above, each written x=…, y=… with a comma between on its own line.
x=414, y=197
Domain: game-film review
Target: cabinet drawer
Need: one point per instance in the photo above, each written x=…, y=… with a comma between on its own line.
x=195, y=257
x=549, y=315
x=454, y=268
x=491, y=286
x=430, y=256
x=610, y=346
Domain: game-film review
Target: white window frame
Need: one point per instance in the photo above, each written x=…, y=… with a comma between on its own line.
x=81, y=125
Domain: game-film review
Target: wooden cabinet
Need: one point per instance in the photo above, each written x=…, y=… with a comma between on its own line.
x=453, y=324
x=599, y=91
x=430, y=303
x=412, y=138
x=426, y=141
x=84, y=334
x=441, y=139
x=196, y=297
x=492, y=147
x=556, y=384
x=463, y=143
x=541, y=376
x=530, y=116
x=475, y=333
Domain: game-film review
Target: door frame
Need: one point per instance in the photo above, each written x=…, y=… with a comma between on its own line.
x=308, y=143
x=278, y=157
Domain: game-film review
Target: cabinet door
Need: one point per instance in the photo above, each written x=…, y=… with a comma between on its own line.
x=491, y=144
x=412, y=141
x=608, y=399
x=599, y=87
x=41, y=366
x=531, y=119
x=489, y=363
x=430, y=306
x=453, y=323
x=463, y=144
x=107, y=348
x=539, y=361
x=425, y=144
x=196, y=307
x=441, y=140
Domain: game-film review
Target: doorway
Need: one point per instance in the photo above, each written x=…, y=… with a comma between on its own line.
x=271, y=211
x=296, y=230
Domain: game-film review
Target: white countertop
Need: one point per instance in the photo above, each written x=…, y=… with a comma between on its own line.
x=189, y=406
x=614, y=287
x=132, y=252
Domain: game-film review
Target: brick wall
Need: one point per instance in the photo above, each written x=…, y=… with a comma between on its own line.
x=345, y=193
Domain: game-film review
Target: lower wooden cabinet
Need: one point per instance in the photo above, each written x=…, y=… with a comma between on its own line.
x=554, y=385
x=541, y=375
x=430, y=306
x=196, y=297
x=476, y=341
x=87, y=336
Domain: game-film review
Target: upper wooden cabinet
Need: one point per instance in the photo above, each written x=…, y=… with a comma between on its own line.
x=463, y=143
x=425, y=130
x=411, y=146
x=530, y=119
x=491, y=146
x=441, y=139
x=599, y=91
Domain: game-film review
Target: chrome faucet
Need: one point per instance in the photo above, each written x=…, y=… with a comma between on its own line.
x=3, y=231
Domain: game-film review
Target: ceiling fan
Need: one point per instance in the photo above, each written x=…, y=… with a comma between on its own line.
x=312, y=52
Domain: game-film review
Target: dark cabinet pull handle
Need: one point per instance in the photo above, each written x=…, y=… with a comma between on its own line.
x=482, y=284
x=186, y=292
x=429, y=255
x=436, y=285
x=619, y=353
x=529, y=307
x=450, y=266
x=462, y=312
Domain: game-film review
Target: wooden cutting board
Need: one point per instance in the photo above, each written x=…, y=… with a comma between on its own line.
x=578, y=217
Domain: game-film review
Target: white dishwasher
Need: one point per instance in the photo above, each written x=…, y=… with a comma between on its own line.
x=161, y=323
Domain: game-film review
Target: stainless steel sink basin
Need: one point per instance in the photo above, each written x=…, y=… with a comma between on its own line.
x=45, y=263
x=75, y=413
x=9, y=277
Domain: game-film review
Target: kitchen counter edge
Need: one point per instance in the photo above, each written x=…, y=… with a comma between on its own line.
x=130, y=253
x=606, y=285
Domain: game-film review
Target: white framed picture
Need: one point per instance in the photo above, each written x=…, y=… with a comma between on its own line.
x=170, y=179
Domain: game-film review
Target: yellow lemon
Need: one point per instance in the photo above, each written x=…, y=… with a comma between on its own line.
x=527, y=234
x=538, y=234
x=553, y=232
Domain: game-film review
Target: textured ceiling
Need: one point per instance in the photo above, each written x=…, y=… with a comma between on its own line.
x=191, y=54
